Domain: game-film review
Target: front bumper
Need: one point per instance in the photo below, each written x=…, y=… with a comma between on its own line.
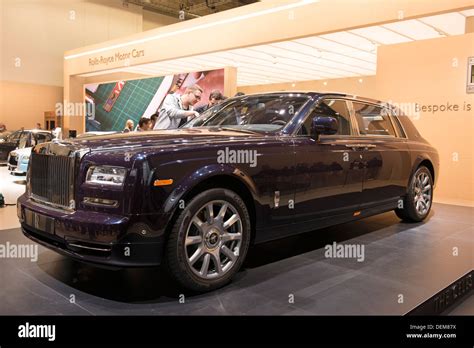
x=92, y=237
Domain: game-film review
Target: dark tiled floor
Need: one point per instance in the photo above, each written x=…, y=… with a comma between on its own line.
x=290, y=276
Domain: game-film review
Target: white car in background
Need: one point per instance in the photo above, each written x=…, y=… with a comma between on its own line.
x=18, y=161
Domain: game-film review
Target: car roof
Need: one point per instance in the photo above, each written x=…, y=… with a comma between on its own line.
x=314, y=94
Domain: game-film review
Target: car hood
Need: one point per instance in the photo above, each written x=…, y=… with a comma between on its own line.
x=137, y=140
x=164, y=138
x=23, y=152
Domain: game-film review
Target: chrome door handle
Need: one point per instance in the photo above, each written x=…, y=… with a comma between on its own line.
x=361, y=146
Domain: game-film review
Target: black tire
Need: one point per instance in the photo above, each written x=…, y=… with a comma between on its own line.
x=409, y=212
x=176, y=259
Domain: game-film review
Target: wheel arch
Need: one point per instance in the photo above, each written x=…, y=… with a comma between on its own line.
x=428, y=163
x=226, y=177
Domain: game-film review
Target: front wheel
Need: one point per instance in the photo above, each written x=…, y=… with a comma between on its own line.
x=209, y=240
x=419, y=198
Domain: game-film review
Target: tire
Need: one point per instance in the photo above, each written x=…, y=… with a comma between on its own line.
x=199, y=240
x=420, y=190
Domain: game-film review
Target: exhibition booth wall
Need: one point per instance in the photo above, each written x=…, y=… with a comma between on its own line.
x=360, y=85
x=433, y=75
x=24, y=104
x=428, y=80
x=33, y=38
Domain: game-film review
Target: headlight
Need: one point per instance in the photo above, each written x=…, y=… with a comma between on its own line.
x=105, y=175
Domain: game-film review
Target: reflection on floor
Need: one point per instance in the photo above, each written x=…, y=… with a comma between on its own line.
x=404, y=265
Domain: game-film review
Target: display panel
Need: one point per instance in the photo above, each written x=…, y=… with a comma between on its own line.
x=116, y=102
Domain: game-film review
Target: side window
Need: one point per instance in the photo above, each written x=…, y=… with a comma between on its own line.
x=330, y=108
x=373, y=119
x=41, y=138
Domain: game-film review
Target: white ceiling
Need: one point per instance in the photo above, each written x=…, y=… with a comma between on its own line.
x=343, y=54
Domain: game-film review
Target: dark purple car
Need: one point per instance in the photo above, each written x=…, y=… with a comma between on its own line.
x=252, y=169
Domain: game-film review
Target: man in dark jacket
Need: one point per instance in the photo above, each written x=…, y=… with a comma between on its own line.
x=215, y=98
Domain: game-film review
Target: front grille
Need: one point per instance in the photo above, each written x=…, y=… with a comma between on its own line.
x=52, y=179
x=13, y=160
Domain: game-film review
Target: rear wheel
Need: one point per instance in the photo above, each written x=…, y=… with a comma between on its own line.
x=209, y=240
x=419, y=198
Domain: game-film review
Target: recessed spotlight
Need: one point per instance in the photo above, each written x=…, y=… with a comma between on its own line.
x=361, y=80
x=325, y=83
x=293, y=85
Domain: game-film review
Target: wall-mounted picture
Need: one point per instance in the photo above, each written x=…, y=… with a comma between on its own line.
x=116, y=102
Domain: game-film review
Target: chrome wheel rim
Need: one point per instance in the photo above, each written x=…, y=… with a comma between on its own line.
x=422, y=193
x=213, y=239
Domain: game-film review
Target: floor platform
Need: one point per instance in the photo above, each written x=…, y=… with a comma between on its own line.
x=404, y=265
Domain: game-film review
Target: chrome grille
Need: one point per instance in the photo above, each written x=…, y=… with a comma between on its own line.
x=52, y=179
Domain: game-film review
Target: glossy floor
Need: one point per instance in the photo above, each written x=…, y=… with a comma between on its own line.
x=404, y=264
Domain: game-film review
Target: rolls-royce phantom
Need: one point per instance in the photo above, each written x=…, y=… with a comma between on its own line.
x=252, y=169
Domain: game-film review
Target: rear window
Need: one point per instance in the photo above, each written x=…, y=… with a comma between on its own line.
x=373, y=120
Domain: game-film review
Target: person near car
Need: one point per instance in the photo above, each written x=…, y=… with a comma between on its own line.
x=178, y=109
x=215, y=98
x=144, y=124
x=153, y=119
x=128, y=126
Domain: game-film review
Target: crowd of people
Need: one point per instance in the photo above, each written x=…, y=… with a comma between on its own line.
x=176, y=110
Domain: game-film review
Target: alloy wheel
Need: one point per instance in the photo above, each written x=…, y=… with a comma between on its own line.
x=422, y=193
x=213, y=239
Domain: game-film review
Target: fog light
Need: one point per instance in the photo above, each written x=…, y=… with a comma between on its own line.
x=101, y=202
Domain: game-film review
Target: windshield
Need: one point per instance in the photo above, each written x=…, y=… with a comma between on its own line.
x=268, y=113
x=13, y=138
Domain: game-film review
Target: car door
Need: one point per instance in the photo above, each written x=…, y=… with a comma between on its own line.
x=329, y=171
x=385, y=154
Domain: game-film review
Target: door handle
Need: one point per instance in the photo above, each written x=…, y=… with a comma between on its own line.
x=361, y=146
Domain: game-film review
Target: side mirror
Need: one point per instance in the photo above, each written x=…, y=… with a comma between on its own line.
x=324, y=125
